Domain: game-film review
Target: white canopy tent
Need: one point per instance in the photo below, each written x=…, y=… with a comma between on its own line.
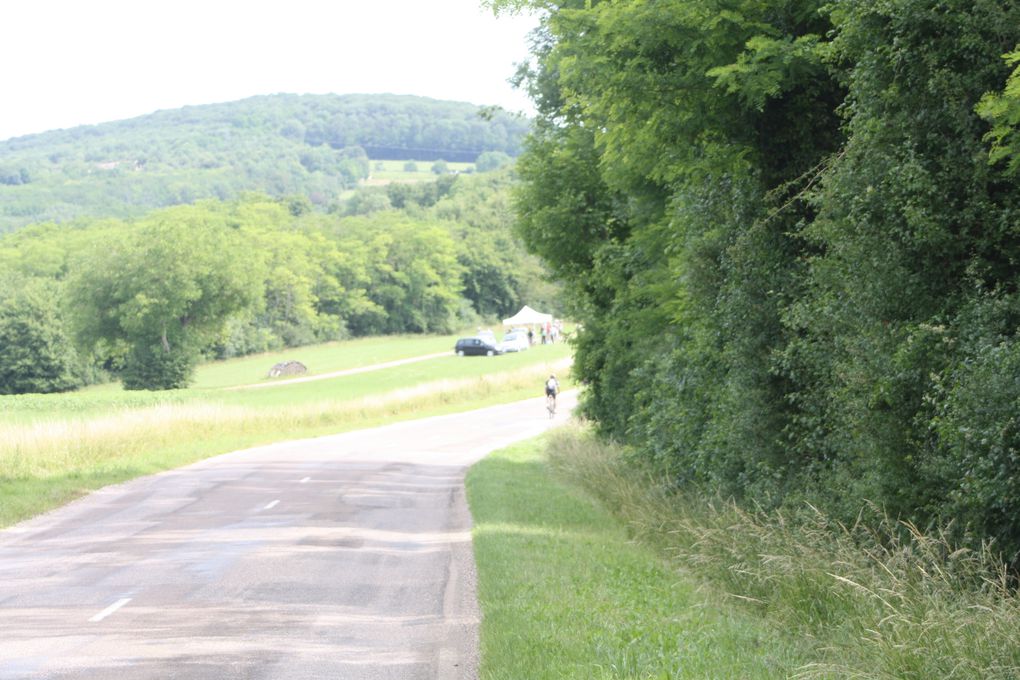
x=526, y=317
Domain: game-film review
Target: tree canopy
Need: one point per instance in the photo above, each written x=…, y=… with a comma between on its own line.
x=789, y=230
x=144, y=299
x=163, y=290
x=38, y=355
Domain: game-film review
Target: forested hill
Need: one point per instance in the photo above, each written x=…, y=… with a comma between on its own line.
x=315, y=145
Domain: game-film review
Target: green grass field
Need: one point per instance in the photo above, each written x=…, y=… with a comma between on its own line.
x=319, y=359
x=215, y=382
x=566, y=593
x=213, y=379
x=393, y=171
x=54, y=448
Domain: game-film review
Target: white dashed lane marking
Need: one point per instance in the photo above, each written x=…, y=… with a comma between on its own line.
x=272, y=505
x=109, y=610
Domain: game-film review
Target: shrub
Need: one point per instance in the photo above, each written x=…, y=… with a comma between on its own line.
x=151, y=367
x=37, y=354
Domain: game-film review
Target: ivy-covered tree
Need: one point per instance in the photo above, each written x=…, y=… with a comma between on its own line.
x=652, y=181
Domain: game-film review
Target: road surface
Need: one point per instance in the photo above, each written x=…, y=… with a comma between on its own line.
x=346, y=556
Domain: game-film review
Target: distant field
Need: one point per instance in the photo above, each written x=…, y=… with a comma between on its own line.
x=393, y=171
x=214, y=380
x=54, y=448
x=334, y=356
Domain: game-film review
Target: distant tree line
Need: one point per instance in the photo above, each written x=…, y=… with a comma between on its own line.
x=277, y=145
x=791, y=232
x=144, y=300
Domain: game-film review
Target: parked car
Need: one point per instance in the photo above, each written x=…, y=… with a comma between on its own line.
x=514, y=342
x=476, y=347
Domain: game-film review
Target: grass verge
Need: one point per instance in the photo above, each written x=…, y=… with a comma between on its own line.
x=565, y=593
x=875, y=600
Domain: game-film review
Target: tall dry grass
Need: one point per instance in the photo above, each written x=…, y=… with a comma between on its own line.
x=875, y=599
x=79, y=444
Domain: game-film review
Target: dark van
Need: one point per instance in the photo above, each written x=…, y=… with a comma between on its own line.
x=475, y=347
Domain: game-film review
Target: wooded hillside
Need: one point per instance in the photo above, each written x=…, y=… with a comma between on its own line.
x=279, y=145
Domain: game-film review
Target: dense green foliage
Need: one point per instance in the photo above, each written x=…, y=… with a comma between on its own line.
x=497, y=274
x=37, y=355
x=312, y=145
x=163, y=290
x=491, y=160
x=1003, y=110
x=147, y=298
x=792, y=239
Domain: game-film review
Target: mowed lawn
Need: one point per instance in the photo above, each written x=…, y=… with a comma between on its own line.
x=54, y=448
x=393, y=171
x=320, y=359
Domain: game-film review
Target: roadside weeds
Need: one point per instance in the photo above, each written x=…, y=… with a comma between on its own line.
x=876, y=600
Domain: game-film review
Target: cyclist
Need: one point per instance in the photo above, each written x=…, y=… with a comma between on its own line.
x=552, y=388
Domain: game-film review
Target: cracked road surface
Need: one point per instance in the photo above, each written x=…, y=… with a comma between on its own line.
x=346, y=556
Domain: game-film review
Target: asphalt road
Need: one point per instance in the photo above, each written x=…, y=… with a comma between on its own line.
x=346, y=556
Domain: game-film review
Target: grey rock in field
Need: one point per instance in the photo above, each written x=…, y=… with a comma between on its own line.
x=287, y=368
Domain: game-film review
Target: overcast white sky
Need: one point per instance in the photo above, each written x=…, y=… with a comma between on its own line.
x=73, y=62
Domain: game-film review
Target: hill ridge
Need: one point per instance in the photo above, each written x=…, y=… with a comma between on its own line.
x=282, y=144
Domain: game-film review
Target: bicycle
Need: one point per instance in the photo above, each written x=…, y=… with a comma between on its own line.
x=552, y=388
